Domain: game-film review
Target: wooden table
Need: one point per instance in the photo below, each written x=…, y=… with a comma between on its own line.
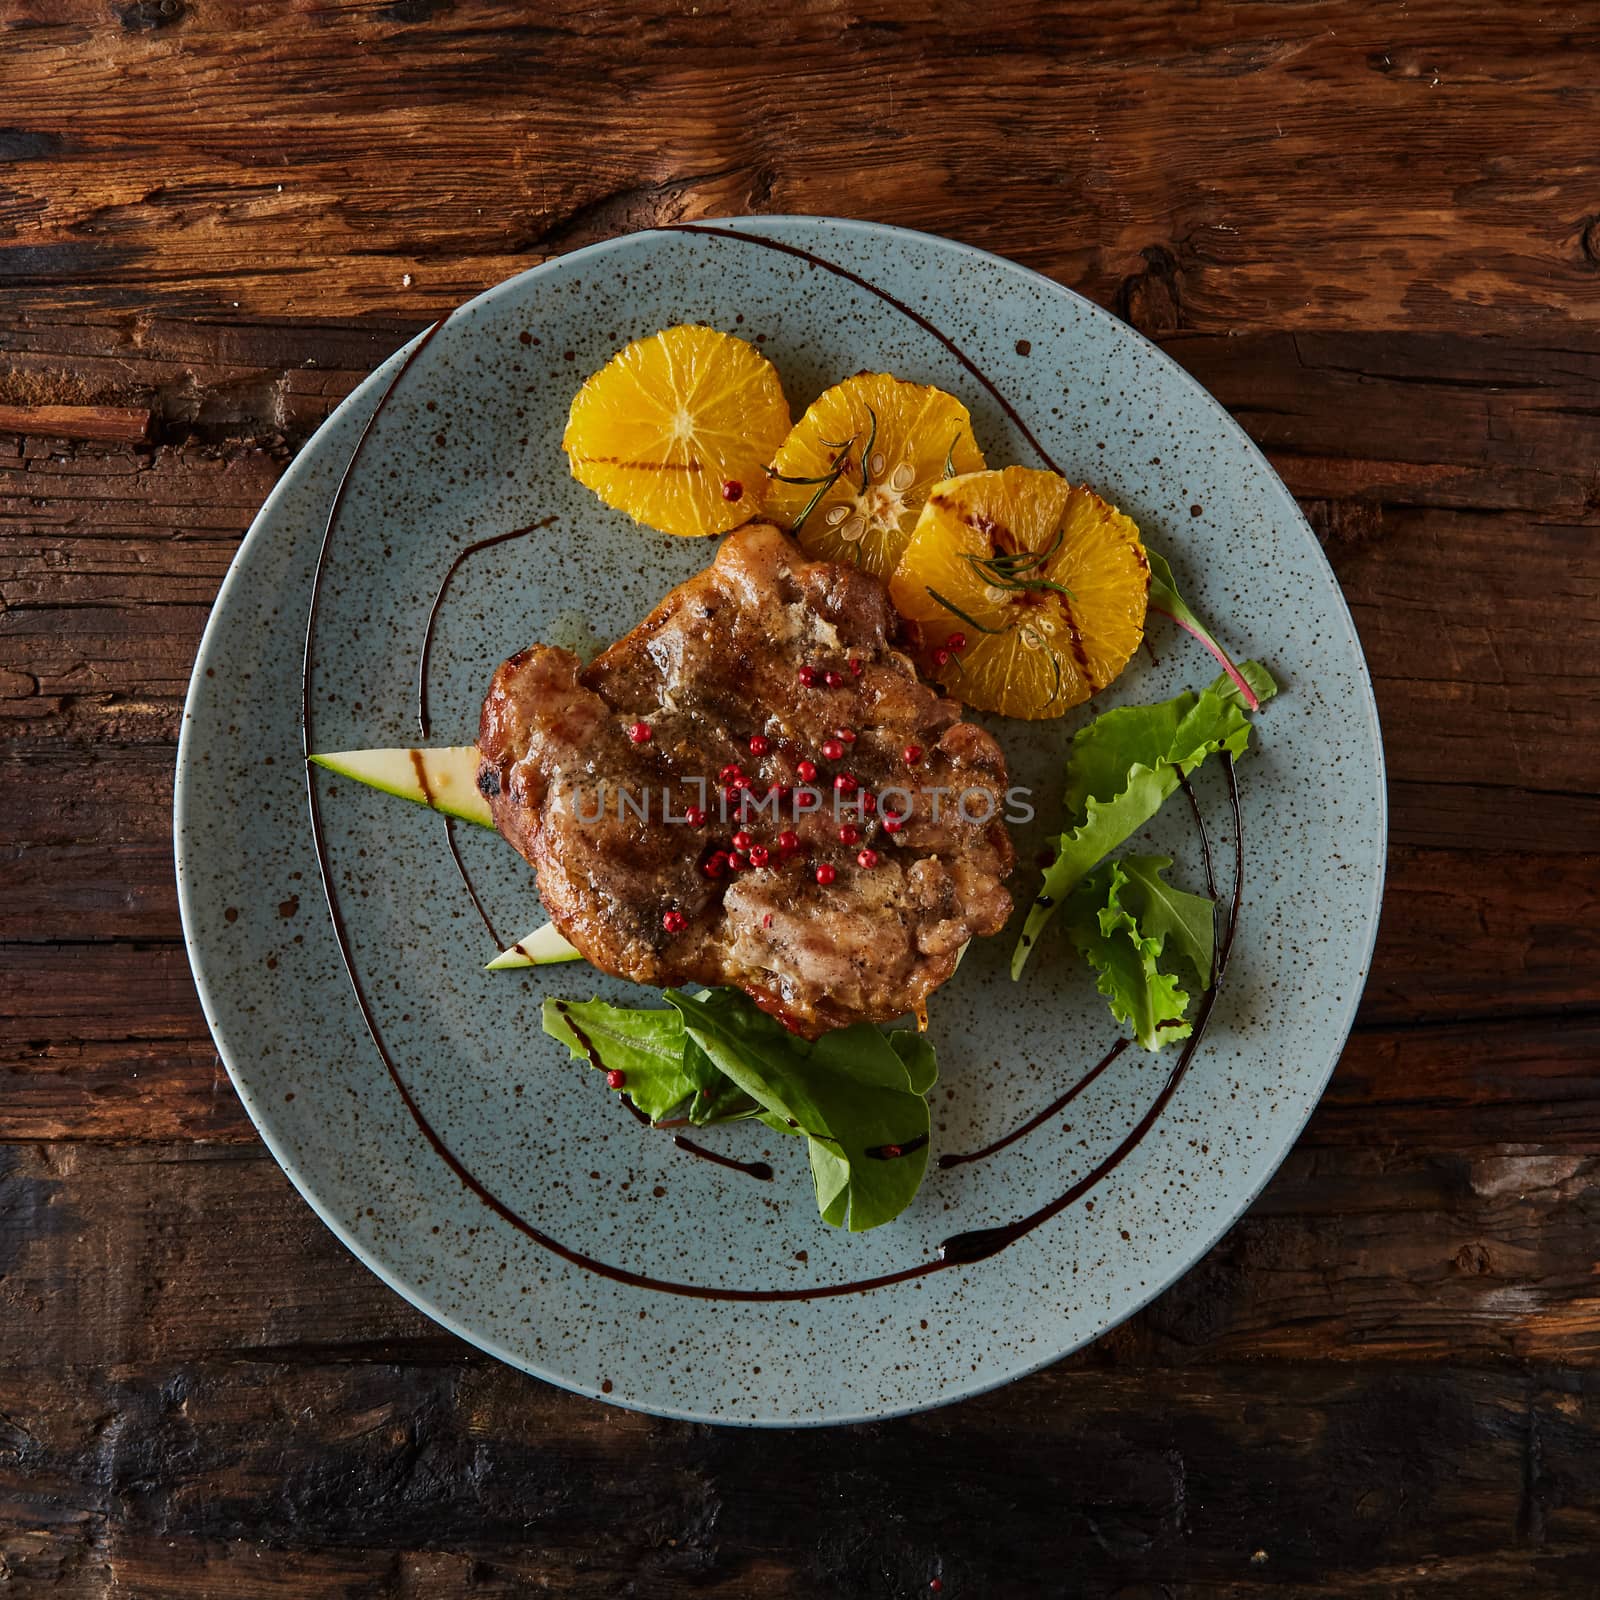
x=1372, y=229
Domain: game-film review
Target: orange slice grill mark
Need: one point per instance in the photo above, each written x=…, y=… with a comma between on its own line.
x=1032, y=651
x=659, y=429
x=1078, y=650
x=641, y=466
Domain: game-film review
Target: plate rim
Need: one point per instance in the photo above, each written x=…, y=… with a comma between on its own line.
x=260, y=1116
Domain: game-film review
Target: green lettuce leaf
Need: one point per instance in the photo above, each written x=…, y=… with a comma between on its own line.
x=1184, y=924
x=916, y=1052
x=849, y=1095
x=1123, y=767
x=1144, y=939
x=648, y=1047
x=724, y=1100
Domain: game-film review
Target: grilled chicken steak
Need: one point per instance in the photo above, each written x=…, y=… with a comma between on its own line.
x=766, y=680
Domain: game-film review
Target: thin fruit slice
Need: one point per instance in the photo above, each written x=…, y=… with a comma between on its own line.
x=541, y=948
x=855, y=472
x=446, y=779
x=677, y=430
x=1025, y=595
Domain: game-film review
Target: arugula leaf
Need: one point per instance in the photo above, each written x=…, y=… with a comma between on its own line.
x=851, y=1095
x=1123, y=767
x=1135, y=930
x=1164, y=597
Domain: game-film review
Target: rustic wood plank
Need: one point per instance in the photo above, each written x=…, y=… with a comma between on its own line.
x=1448, y=153
x=1502, y=935
x=1526, y=1085
x=1483, y=816
x=141, y=990
x=1482, y=667
x=1415, y=420
x=128, y=1088
x=178, y=1252
x=183, y=1212
x=208, y=381
x=236, y=1478
x=107, y=424
x=1371, y=232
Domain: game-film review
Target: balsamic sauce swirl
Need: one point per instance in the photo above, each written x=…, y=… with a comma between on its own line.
x=472, y=893
x=1060, y=1103
x=961, y=1249
x=424, y=721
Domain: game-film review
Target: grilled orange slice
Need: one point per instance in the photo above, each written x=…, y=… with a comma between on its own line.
x=677, y=430
x=1025, y=595
x=856, y=470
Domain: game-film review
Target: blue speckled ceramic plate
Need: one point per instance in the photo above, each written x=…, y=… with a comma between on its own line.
x=468, y=446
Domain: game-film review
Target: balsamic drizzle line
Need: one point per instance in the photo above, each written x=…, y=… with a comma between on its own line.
x=1060, y=1103
x=461, y=867
x=756, y=1169
x=884, y=295
x=960, y=1249
x=424, y=721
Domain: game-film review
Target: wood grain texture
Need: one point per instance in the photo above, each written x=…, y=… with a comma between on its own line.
x=1372, y=230
x=1291, y=166
x=216, y=1479
x=111, y=424
x=1352, y=1253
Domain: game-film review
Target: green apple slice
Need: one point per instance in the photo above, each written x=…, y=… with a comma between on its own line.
x=540, y=948
x=446, y=779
